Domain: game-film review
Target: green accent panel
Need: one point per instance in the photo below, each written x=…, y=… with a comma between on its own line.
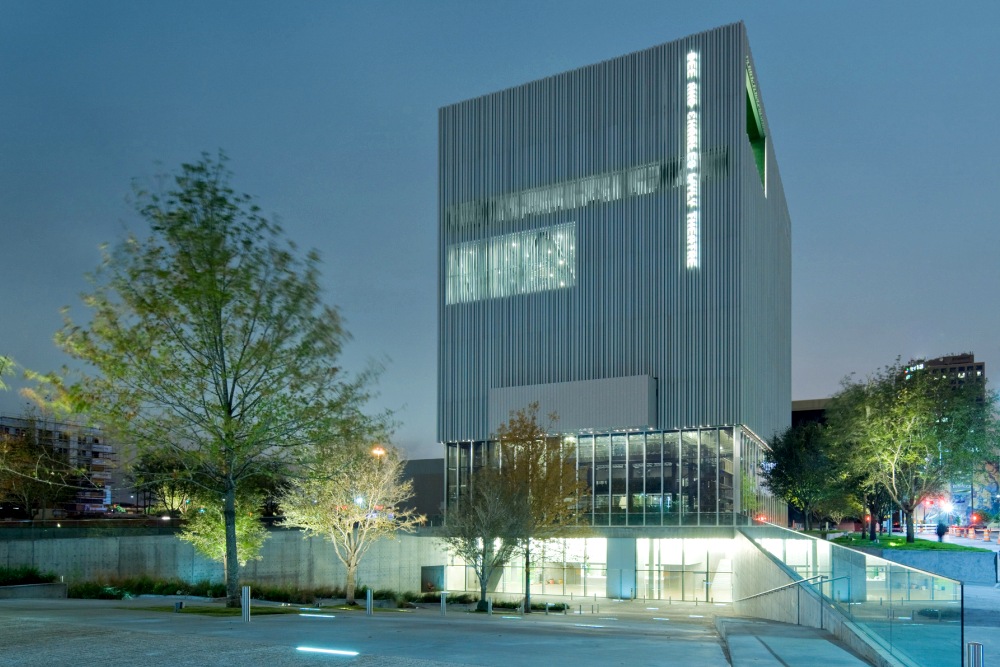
x=755, y=131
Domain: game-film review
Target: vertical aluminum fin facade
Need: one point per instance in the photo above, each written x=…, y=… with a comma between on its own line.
x=564, y=251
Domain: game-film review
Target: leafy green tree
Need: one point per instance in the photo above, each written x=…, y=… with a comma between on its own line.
x=34, y=475
x=353, y=497
x=205, y=528
x=912, y=430
x=209, y=341
x=6, y=368
x=486, y=525
x=538, y=470
x=802, y=468
x=166, y=482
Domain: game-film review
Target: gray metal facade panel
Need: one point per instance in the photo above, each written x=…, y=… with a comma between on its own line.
x=716, y=338
x=608, y=404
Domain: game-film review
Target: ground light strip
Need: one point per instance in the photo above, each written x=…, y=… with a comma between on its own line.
x=329, y=651
x=318, y=615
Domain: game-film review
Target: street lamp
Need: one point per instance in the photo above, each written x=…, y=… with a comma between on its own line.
x=378, y=451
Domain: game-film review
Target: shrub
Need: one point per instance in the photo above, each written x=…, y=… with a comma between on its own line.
x=116, y=589
x=24, y=574
x=91, y=590
x=408, y=596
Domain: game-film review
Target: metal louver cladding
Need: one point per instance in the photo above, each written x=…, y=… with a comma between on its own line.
x=567, y=255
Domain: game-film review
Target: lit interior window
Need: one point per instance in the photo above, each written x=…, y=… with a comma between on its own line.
x=493, y=267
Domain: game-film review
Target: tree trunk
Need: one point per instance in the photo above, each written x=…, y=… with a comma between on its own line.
x=871, y=522
x=352, y=573
x=527, y=577
x=232, y=561
x=484, y=580
x=910, y=537
x=807, y=518
x=484, y=575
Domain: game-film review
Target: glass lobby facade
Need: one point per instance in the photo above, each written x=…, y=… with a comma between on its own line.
x=678, y=568
x=691, y=477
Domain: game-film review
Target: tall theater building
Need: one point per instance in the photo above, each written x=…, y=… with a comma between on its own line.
x=615, y=246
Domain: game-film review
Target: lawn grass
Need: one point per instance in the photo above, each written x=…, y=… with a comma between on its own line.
x=899, y=543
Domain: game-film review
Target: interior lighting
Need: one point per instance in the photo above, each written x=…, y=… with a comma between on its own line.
x=328, y=651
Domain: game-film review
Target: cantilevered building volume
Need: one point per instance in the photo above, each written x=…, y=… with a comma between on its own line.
x=615, y=245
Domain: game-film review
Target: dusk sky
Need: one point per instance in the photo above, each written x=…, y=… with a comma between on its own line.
x=884, y=119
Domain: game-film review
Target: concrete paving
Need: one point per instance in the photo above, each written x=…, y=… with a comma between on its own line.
x=130, y=632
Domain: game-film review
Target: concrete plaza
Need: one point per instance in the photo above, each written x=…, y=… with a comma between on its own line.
x=129, y=632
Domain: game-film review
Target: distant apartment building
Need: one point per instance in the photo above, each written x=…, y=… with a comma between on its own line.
x=980, y=490
x=85, y=450
x=960, y=369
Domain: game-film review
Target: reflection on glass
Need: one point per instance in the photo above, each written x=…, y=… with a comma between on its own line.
x=708, y=481
x=726, y=475
x=619, y=479
x=689, y=477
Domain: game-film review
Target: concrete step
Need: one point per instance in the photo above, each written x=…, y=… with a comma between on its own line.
x=757, y=643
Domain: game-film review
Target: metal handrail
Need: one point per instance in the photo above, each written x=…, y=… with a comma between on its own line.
x=794, y=583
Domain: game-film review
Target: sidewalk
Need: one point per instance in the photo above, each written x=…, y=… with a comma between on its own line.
x=964, y=541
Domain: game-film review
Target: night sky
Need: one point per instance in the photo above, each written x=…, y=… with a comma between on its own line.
x=884, y=122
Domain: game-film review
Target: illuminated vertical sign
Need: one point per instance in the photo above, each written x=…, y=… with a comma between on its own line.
x=692, y=161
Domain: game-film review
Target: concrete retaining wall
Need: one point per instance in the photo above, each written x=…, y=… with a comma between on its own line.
x=288, y=559
x=33, y=591
x=970, y=567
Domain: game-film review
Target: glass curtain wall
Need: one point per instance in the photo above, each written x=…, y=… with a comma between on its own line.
x=692, y=477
